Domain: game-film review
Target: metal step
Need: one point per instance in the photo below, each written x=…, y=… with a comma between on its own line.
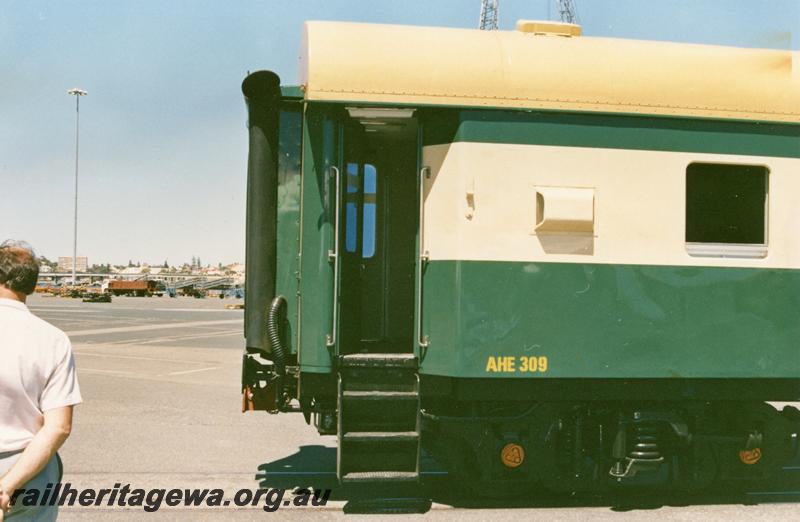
x=381, y=476
x=379, y=420
x=380, y=436
x=379, y=360
x=380, y=395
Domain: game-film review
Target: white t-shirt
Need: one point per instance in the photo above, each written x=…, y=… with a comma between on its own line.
x=37, y=373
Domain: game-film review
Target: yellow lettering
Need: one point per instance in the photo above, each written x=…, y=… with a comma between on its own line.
x=543, y=363
x=501, y=364
x=506, y=364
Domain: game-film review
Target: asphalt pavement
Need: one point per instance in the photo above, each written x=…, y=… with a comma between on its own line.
x=162, y=409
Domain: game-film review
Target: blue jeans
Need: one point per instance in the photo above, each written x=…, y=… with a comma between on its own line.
x=51, y=474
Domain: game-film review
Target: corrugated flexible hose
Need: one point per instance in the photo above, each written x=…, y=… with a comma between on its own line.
x=274, y=322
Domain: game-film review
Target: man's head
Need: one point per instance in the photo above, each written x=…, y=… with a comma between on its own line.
x=18, y=268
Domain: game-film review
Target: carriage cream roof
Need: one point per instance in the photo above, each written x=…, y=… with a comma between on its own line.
x=394, y=64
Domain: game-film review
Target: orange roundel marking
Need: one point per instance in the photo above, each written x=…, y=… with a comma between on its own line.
x=750, y=457
x=512, y=455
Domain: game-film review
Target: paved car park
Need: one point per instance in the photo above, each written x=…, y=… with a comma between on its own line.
x=162, y=409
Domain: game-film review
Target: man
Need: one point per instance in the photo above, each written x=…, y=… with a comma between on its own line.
x=38, y=388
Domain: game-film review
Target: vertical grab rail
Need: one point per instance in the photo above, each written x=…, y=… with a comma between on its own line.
x=333, y=257
x=424, y=173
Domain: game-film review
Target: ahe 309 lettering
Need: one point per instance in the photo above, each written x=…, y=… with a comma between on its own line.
x=511, y=364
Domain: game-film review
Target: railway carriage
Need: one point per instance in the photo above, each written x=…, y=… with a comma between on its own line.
x=549, y=259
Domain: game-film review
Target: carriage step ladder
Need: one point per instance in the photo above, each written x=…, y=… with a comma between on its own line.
x=379, y=418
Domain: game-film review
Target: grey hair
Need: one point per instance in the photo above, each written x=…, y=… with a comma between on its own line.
x=19, y=268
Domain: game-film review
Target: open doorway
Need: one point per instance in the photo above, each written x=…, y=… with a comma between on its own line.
x=379, y=216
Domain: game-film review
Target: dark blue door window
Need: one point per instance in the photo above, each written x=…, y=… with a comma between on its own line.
x=368, y=211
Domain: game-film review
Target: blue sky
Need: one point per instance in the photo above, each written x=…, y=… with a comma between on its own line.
x=163, y=138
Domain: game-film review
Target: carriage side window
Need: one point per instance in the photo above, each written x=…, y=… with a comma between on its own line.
x=351, y=208
x=726, y=210
x=370, y=210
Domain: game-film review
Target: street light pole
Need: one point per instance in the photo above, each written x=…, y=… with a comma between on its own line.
x=77, y=93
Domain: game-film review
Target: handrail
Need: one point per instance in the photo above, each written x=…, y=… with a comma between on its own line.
x=424, y=173
x=333, y=256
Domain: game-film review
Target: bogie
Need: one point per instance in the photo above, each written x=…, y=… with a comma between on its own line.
x=595, y=447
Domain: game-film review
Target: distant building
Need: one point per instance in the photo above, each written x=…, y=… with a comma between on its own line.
x=235, y=267
x=132, y=270
x=65, y=264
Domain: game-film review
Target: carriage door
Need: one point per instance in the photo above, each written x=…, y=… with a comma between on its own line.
x=377, y=273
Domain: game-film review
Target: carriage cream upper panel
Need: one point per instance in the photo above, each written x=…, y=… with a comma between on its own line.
x=425, y=65
x=639, y=215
